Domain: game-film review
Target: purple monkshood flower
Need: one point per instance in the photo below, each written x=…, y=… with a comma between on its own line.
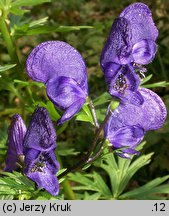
x=130, y=44
x=37, y=144
x=129, y=123
x=16, y=134
x=62, y=69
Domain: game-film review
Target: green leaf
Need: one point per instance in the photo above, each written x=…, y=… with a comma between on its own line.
x=19, y=3
x=94, y=196
x=66, y=152
x=17, y=11
x=6, y=197
x=24, y=83
x=102, y=99
x=38, y=22
x=148, y=189
x=133, y=168
x=51, y=109
x=6, y=67
x=146, y=79
x=91, y=182
x=155, y=85
x=47, y=29
x=85, y=115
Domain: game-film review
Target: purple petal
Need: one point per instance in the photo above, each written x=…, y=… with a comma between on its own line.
x=41, y=167
x=123, y=83
x=66, y=94
x=118, y=46
x=150, y=115
x=16, y=134
x=144, y=51
x=56, y=58
x=41, y=133
x=140, y=18
x=125, y=153
x=130, y=151
x=64, y=91
x=129, y=136
x=71, y=111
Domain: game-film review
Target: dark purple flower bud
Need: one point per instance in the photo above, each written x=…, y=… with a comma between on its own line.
x=16, y=134
x=62, y=69
x=129, y=123
x=39, y=146
x=40, y=133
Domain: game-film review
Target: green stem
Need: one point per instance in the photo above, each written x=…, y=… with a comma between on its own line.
x=8, y=41
x=65, y=184
x=11, y=48
x=93, y=112
x=86, y=157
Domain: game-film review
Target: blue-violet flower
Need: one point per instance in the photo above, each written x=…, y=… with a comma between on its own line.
x=130, y=44
x=62, y=69
x=129, y=123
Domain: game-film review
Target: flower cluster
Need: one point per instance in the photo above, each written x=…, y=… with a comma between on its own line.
x=35, y=146
x=130, y=45
x=62, y=69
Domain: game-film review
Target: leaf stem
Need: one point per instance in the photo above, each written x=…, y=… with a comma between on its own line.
x=92, y=108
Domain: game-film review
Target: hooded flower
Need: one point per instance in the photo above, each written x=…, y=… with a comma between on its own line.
x=129, y=123
x=62, y=69
x=16, y=134
x=37, y=145
x=130, y=44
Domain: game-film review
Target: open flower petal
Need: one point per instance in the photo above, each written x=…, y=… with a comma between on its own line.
x=127, y=136
x=71, y=110
x=140, y=18
x=129, y=122
x=41, y=167
x=66, y=94
x=144, y=51
x=56, y=58
x=150, y=115
x=123, y=83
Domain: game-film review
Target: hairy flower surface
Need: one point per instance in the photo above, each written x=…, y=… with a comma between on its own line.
x=62, y=69
x=16, y=134
x=130, y=44
x=129, y=123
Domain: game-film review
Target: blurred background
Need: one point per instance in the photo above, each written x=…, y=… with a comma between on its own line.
x=99, y=14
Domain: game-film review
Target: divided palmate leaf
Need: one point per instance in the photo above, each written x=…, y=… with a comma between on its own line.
x=152, y=188
x=91, y=182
